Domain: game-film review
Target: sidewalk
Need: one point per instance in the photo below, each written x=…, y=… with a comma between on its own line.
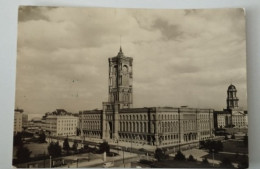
x=100, y=161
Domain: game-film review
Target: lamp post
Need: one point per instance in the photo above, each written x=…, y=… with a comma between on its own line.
x=123, y=156
x=50, y=162
x=213, y=157
x=44, y=160
x=131, y=143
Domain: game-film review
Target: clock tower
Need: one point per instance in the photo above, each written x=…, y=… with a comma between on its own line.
x=120, y=80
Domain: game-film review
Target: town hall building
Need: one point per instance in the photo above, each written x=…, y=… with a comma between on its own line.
x=155, y=126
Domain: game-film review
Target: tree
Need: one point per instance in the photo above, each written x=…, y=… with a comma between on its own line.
x=225, y=162
x=66, y=145
x=23, y=154
x=104, y=147
x=75, y=146
x=245, y=140
x=18, y=139
x=159, y=155
x=86, y=146
x=215, y=146
x=54, y=149
x=42, y=138
x=202, y=144
x=243, y=162
x=226, y=137
x=179, y=156
x=191, y=158
x=205, y=161
x=78, y=131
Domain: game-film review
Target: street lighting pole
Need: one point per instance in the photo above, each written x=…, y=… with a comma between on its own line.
x=123, y=157
x=50, y=162
x=213, y=156
x=131, y=143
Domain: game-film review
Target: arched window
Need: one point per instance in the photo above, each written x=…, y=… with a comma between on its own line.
x=137, y=127
x=168, y=127
x=127, y=126
x=145, y=128
x=133, y=127
x=162, y=127
x=129, y=129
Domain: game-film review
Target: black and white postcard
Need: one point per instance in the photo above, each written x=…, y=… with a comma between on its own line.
x=130, y=88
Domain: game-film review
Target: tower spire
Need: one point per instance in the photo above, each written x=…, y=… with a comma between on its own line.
x=120, y=53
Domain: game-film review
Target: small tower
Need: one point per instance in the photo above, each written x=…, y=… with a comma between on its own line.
x=232, y=100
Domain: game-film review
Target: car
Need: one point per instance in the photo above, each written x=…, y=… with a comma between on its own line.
x=118, y=148
x=108, y=164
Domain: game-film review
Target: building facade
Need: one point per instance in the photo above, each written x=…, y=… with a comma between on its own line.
x=233, y=115
x=18, y=120
x=60, y=123
x=156, y=126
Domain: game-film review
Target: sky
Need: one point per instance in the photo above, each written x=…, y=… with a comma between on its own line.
x=180, y=57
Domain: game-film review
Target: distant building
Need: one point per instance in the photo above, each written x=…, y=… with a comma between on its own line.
x=60, y=123
x=24, y=120
x=18, y=120
x=157, y=126
x=233, y=115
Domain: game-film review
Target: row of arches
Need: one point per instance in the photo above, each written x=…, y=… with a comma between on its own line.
x=168, y=127
x=190, y=137
x=204, y=125
x=137, y=138
x=92, y=125
x=189, y=125
x=133, y=117
x=93, y=134
x=90, y=116
x=138, y=127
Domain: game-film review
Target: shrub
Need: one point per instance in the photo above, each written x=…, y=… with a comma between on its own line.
x=225, y=162
x=243, y=162
x=179, y=156
x=66, y=145
x=159, y=155
x=17, y=140
x=104, y=147
x=191, y=158
x=23, y=154
x=205, y=161
x=54, y=149
x=42, y=138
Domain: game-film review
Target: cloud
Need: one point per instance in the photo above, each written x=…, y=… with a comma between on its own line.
x=181, y=57
x=169, y=32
